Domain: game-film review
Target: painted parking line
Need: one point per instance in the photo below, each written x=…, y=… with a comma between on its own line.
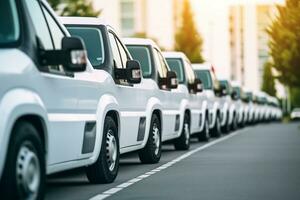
x=139, y=178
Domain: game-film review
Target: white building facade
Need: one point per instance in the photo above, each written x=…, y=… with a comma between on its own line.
x=154, y=18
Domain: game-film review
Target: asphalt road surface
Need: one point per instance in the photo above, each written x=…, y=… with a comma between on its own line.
x=260, y=162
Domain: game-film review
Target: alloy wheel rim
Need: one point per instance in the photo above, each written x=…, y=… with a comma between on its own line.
x=111, y=150
x=28, y=173
x=156, y=138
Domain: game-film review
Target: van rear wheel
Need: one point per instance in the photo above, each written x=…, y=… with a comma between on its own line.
x=24, y=173
x=105, y=169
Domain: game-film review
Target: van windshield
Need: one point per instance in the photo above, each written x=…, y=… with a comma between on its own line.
x=205, y=77
x=93, y=40
x=176, y=65
x=9, y=23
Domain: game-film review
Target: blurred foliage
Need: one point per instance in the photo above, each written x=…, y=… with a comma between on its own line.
x=295, y=97
x=187, y=38
x=285, y=43
x=82, y=8
x=268, y=84
x=54, y=3
x=140, y=35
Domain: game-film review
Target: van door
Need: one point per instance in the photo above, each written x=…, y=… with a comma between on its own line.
x=133, y=99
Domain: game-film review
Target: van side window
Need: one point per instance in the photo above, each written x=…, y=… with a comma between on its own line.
x=162, y=67
x=56, y=32
x=39, y=23
x=190, y=72
x=57, y=36
x=115, y=51
x=123, y=53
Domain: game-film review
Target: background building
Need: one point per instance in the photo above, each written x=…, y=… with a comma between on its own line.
x=154, y=18
x=233, y=31
x=249, y=42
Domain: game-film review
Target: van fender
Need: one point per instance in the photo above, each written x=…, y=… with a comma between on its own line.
x=15, y=104
x=106, y=104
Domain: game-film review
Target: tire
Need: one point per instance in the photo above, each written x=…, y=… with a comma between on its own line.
x=216, y=130
x=151, y=153
x=24, y=174
x=243, y=123
x=234, y=125
x=204, y=135
x=183, y=142
x=105, y=169
x=226, y=127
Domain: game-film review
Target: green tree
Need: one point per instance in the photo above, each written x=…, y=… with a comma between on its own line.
x=83, y=8
x=284, y=43
x=187, y=38
x=295, y=97
x=54, y=3
x=268, y=85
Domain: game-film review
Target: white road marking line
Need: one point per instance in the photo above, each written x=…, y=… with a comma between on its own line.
x=124, y=185
x=150, y=173
x=134, y=180
x=112, y=190
x=155, y=170
x=100, y=197
x=143, y=176
x=120, y=187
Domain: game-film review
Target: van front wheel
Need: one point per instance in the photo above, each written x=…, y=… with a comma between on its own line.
x=151, y=153
x=24, y=173
x=105, y=169
x=183, y=142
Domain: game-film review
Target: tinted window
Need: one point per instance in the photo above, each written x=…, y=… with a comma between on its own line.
x=176, y=65
x=226, y=85
x=205, y=77
x=39, y=23
x=9, y=22
x=93, y=40
x=238, y=91
x=142, y=54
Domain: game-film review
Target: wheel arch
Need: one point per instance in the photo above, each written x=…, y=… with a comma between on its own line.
x=38, y=123
x=116, y=117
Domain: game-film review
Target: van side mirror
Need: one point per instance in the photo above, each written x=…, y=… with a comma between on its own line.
x=223, y=90
x=198, y=86
x=172, y=81
x=72, y=56
x=133, y=69
x=132, y=72
x=234, y=95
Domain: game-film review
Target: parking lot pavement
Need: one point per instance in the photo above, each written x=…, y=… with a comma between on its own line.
x=260, y=162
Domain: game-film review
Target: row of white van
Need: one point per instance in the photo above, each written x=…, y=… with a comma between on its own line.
x=76, y=95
